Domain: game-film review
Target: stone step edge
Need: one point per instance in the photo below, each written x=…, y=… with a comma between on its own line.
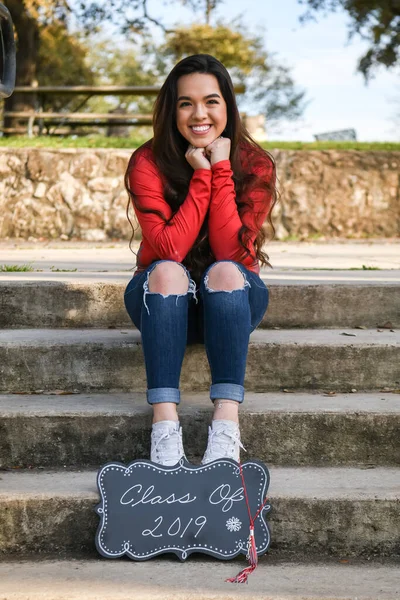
x=314, y=512
x=12, y=338
x=318, y=359
x=308, y=483
x=60, y=404
x=288, y=429
x=196, y=579
x=69, y=305
x=296, y=279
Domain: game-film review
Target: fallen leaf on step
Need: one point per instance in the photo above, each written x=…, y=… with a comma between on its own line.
x=387, y=325
x=59, y=393
x=360, y=327
x=380, y=330
x=288, y=391
x=329, y=394
x=353, y=390
x=26, y=393
x=345, y=333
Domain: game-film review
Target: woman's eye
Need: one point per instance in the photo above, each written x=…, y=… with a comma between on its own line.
x=183, y=104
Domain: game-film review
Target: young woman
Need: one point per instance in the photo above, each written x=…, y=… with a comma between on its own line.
x=201, y=190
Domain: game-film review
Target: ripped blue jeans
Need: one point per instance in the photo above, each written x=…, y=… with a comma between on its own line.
x=221, y=320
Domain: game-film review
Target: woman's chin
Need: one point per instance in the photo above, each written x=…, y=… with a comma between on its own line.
x=202, y=142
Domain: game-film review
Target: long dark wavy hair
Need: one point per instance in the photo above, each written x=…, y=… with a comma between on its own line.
x=169, y=147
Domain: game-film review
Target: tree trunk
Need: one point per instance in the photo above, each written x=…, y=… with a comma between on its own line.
x=27, y=34
x=210, y=6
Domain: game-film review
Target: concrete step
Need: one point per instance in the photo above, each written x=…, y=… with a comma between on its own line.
x=286, y=429
x=309, y=299
x=112, y=360
x=315, y=511
x=335, y=252
x=196, y=579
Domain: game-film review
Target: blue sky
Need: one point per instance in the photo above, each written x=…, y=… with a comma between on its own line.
x=322, y=61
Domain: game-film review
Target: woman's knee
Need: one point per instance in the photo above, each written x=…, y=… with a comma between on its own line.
x=168, y=277
x=224, y=276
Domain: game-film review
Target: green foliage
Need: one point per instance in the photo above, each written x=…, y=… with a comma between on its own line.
x=89, y=141
x=62, y=57
x=120, y=66
x=68, y=60
x=228, y=44
x=359, y=146
x=377, y=21
x=62, y=61
x=97, y=141
x=270, y=88
x=365, y=268
x=15, y=268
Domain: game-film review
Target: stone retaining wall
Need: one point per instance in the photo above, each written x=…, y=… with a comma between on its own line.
x=79, y=193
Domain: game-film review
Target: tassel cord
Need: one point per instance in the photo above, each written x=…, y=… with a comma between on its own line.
x=252, y=555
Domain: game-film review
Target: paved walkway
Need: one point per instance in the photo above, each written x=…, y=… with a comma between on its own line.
x=284, y=256
x=198, y=579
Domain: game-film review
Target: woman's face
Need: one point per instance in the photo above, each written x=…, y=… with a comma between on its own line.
x=201, y=109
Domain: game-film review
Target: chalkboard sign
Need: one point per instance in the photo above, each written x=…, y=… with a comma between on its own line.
x=147, y=509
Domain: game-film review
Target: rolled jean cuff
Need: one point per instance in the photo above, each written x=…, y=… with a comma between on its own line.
x=157, y=395
x=230, y=391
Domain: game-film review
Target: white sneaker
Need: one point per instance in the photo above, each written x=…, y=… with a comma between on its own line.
x=166, y=443
x=223, y=441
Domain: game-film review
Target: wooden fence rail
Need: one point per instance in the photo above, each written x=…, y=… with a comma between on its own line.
x=75, y=118
x=104, y=90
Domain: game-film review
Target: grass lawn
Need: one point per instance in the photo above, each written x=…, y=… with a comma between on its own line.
x=12, y=268
x=131, y=143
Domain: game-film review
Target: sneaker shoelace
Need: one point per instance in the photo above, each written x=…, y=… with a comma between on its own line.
x=220, y=447
x=169, y=450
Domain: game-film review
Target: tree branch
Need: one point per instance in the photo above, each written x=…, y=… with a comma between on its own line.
x=152, y=20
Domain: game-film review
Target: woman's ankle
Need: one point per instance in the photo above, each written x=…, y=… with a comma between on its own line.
x=227, y=410
x=165, y=411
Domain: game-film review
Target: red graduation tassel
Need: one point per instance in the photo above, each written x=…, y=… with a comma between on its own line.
x=251, y=556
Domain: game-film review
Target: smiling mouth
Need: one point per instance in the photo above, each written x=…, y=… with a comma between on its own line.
x=200, y=128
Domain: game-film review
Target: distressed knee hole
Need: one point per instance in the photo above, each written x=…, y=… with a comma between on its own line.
x=212, y=291
x=146, y=291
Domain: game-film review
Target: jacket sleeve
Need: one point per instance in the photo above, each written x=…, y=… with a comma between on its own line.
x=224, y=219
x=170, y=241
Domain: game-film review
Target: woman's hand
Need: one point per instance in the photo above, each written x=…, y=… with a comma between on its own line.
x=197, y=159
x=219, y=149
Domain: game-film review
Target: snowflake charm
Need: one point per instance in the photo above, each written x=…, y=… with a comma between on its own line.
x=233, y=524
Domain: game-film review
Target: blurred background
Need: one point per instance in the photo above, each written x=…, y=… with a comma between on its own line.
x=312, y=69
x=317, y=84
